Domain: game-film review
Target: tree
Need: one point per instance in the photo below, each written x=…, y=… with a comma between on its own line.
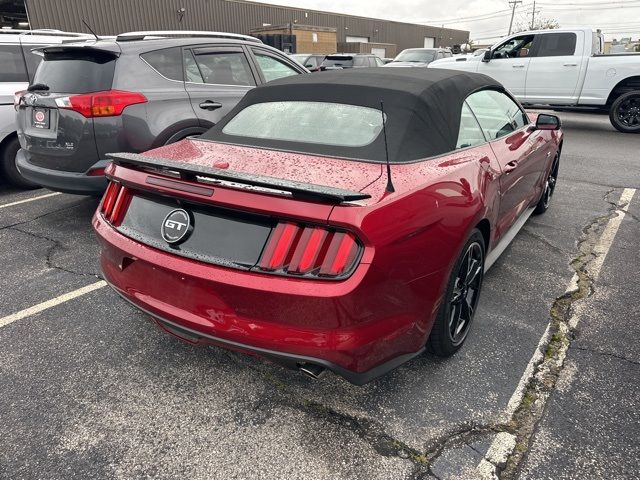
x=538, y=24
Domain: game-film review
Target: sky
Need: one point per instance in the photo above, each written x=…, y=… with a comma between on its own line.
x=488, y=20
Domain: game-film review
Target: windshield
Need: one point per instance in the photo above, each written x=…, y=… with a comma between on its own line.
x=308, y=122
x=425, y=56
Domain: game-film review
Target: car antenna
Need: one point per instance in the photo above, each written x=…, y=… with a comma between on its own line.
x=90, y=29
x=389, y=188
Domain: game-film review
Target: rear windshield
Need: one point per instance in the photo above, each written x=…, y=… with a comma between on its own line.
x=425, y=56
x=12, y=66
x=308, y=122
x=338, y=61
x=70, y=72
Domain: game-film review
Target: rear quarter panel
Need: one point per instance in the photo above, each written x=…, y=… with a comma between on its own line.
x=149, y=125
x=417, y=233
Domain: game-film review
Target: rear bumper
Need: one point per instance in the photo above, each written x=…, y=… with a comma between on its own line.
x=350, y=327
x=67, y=182
x=289, y=360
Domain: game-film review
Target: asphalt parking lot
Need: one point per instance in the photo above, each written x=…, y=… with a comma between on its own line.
x=92, y=389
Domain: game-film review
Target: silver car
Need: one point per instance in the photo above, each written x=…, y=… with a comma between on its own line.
x=19, y=65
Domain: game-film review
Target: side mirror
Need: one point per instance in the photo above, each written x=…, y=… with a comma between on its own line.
x=547, y=122
x=487, y=56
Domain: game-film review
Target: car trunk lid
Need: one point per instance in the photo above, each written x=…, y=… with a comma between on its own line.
x=305, y=175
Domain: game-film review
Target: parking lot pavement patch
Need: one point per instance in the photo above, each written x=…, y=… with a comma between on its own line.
x=20, y=214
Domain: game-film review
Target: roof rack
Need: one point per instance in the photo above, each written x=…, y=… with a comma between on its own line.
x=51, y=32
x=159, y=34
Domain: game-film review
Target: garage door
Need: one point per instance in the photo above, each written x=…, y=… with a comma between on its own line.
x=429, y=42
x=379, y=52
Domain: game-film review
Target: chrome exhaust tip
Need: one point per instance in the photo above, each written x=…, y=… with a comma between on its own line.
x=311, y=370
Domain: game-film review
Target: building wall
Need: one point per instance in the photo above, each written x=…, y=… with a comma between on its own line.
x=109, y=17
x=356, y=47
x=304, y=38
x=304, y=41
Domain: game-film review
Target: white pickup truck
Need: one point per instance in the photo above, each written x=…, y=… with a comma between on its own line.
x=562, y=67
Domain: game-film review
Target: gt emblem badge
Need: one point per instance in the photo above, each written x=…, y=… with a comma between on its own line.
x=39, y=116
x=176, y=226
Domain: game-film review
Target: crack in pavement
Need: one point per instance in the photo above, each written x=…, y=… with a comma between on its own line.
x=56, y=244
x=546, y=372
x=45, y=214
x=605, y=354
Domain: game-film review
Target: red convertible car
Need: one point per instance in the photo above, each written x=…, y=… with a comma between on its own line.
x=341, y=221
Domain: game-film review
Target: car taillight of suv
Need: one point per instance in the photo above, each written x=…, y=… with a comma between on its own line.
x=101, y=104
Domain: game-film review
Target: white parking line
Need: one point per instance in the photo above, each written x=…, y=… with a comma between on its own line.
x=27, y=312
x=502, y=446
x=39, y=197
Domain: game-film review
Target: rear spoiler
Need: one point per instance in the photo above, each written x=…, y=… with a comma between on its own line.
x=190, y=171
x=105, y=47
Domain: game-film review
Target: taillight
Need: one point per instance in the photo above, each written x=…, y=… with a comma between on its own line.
x=110, y=103
x=309, y=250
x=114, y=203
x=17, y=97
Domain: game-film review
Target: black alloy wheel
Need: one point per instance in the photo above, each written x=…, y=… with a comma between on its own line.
x=461, y=300
x=549, y=187
x=625, y=113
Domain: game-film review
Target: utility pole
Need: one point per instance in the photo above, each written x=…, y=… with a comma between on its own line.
x=533, y=15
x=513, y=13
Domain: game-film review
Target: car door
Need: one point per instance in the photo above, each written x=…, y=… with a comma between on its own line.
x=555, y=67
x=509, y=63
x=270, y=65
x=516, y=147
x=216, y=79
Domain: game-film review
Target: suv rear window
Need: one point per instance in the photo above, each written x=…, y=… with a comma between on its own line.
x=13, y=67
x=338, y=61
x=71, y=72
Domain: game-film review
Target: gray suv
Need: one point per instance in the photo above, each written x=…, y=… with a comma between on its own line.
x=137, y=92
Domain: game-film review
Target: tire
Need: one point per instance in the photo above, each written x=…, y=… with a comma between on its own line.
x=8, y=165
x=459, y=304
x=549, y=187
x=625, y=112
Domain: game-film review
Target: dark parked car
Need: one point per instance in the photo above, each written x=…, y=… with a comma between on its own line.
x=338, y=61
x=136, y=92
x=312, y=62
x=419, y=57
x=282, y=232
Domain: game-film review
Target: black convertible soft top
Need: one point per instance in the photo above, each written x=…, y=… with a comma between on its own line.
x=422, y=105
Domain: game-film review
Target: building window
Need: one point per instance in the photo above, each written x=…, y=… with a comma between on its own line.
x=314, y=37
x=355, y=39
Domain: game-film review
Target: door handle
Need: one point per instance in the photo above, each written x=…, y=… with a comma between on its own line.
x=570, y=64
x=517, y=66
x=511, y=166
x=209, y=105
